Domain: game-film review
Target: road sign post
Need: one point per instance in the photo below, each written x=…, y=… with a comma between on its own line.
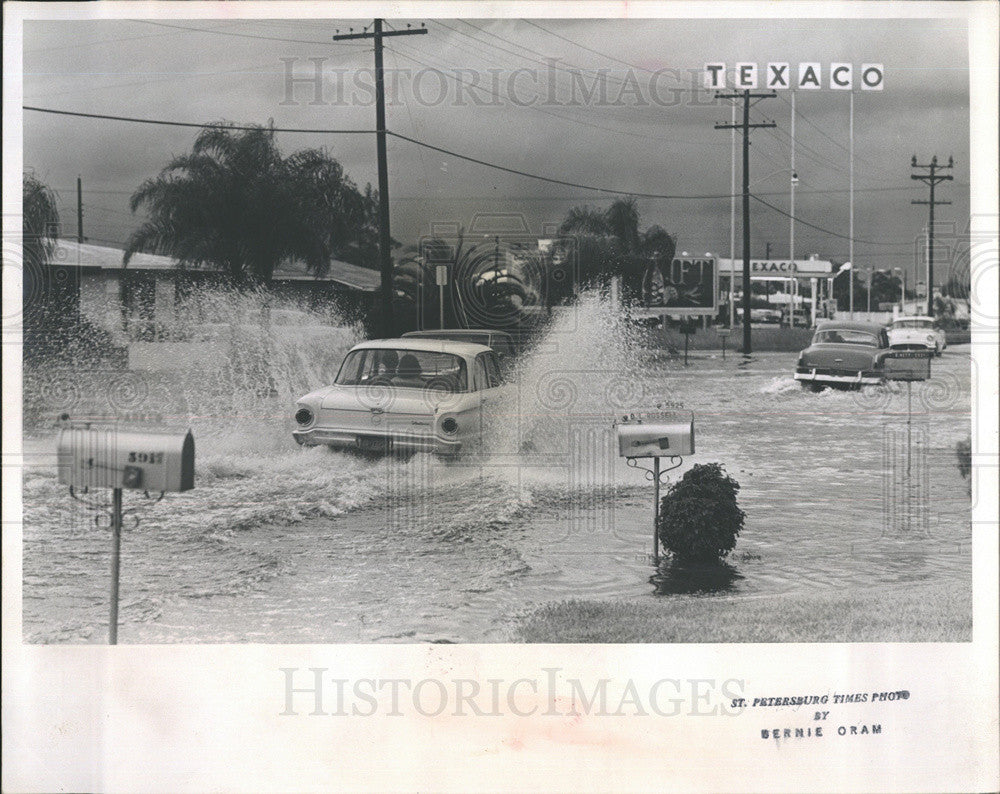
x=441, y=277
x=909, y=366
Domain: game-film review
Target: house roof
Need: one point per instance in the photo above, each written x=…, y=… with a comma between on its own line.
x=70, y=252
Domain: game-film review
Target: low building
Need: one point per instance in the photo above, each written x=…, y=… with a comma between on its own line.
x=88, y=279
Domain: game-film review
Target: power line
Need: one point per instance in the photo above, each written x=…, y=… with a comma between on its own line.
x=192, y=125
x=474, y=86
x=588, y=49
x=820, y=228
x=548, y=61
x=440, y=149
x=550, y=179
x=237, y=35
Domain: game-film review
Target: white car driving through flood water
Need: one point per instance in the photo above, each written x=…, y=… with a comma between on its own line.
x=404, y=395
x=917, y=333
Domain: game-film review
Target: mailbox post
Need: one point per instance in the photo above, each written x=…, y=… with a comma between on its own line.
x=655, y=434
x=106, y=457
x=724, y=335
x=909, y=366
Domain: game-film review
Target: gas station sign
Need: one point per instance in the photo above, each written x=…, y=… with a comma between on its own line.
x=809, y=75
x=690, y=286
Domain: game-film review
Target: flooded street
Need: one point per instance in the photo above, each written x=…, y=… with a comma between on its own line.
x=283, y=544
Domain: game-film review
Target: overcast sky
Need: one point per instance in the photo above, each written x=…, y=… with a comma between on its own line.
x=650, y=132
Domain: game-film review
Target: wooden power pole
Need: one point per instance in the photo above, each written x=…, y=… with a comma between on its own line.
x=931, y=178
x=745, y=126
x=386, y=325
x=79, y=209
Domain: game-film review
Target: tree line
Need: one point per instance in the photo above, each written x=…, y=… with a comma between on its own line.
x=235, y=205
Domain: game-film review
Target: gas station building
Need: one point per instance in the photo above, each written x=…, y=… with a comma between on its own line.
x=803, y=283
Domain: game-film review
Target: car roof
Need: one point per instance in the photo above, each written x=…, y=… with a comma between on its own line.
x=425, y=344
x=913, y=317
x=444, y=332
x=850, y=325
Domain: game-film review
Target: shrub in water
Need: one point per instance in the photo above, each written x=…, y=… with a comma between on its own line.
x=699, y=517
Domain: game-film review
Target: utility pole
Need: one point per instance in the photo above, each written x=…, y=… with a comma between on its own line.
x=931, y=178
x=79, y=209
x=871, y=272
x=386, y=325
x=746, y=95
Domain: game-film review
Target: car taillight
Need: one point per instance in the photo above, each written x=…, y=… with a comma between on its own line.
x=304, y=416
x=449, y=425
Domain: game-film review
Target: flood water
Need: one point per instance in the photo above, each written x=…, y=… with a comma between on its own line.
x=284, y=544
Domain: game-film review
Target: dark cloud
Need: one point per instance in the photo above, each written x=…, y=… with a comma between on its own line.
x=659, y=138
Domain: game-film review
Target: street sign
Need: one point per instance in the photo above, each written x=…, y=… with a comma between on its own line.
x=441, y=275
x=908, y=365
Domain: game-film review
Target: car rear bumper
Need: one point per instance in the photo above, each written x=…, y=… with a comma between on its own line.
x=839, y=379
x=369, y=441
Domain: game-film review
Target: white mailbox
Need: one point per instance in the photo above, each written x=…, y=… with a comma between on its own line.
x=655, y=435
x=106, y=457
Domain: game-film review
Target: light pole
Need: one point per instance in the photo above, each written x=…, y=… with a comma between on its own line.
x=902, y=289
x=870, y=273
x=791, y=228
x=844, y=268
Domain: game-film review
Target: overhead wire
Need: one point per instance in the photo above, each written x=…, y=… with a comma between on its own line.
x=476, y=86
x=821, y=229
x=419, y=143
x=243, y=35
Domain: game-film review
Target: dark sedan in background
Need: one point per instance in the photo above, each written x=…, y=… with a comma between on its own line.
x=844, y=354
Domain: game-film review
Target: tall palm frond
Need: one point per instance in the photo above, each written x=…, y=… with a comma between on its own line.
x=40, y=219
x=235, y=204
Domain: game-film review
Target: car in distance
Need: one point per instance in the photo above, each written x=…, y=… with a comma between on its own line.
x=916, y=333
x=501, y=342
x=845, y=355
x=772, y=316
x=404, y=396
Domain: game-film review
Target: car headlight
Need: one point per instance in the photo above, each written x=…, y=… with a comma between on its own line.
x=304, y=416
x=930, y=337
x=450, y=425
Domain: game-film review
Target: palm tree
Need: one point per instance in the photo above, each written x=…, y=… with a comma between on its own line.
x=584, y=220
x=39, y=221
x=479, y=293
x=657, y=247
x=236, y=205
x=622, y=219
x=609, y=243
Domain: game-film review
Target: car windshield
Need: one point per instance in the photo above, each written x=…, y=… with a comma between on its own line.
x=845, y=336
x=913, y=324
x=408, y=369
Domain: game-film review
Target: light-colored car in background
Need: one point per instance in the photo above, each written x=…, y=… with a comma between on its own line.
x=501, y=342
x=845, y=355
x=917, y=333
x=404, y=395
